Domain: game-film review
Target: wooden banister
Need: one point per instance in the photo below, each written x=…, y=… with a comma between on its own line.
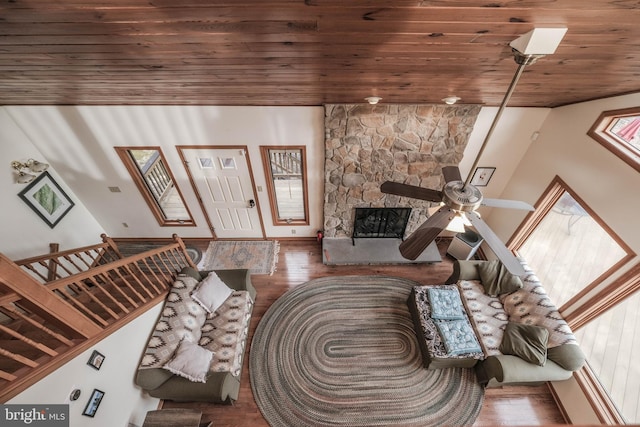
x=82, y=295
x=43, y=302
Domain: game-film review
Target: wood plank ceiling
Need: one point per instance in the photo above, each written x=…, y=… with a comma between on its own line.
x=310, y=52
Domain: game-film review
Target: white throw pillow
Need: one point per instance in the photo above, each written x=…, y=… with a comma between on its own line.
x=190, y=361
x=211, y=293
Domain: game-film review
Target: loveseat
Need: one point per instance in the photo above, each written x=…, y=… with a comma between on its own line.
x=196, y=350
x=521, y=332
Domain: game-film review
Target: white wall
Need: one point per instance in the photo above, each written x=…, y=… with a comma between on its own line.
x=22, y=232
x=607, y=185
x=123, y=402
x=79, y=141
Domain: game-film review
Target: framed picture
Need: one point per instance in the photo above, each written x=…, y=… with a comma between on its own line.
x=47, y=199
x=96, y=359
x=482, y=176
x=93, y=403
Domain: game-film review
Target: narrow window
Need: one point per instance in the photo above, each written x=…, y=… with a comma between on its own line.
x=286, y=172
x=619, y=132
x=154, y=179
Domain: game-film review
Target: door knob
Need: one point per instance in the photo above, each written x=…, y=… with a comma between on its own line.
x=252, y=203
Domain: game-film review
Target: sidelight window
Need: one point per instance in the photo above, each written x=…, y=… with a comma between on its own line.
x=154, y=179
x=286, y=173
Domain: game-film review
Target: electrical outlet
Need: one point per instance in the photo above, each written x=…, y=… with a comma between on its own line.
x=125, y=225
x=259, y=187
x=293, y=231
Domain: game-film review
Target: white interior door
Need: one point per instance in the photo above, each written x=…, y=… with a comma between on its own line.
x=223, y=179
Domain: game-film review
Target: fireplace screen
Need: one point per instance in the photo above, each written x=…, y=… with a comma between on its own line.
x=380, y=222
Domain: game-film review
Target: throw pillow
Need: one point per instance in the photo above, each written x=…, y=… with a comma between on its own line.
x=190, y=361
x=458, y=336
x=528, y=342
x=569, y=356
x=496, y=279
x=211, y=293
x=445, y=304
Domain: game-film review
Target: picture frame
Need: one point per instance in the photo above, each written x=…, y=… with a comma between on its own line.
x=482, y=176
x=45, y=197
x=93, y=403
x=96, y=360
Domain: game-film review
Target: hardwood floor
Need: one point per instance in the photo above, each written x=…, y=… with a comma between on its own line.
x=302, y=261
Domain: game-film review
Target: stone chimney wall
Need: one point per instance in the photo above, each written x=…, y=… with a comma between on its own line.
x=366, y=145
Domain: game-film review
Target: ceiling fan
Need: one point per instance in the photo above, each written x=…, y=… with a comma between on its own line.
x=461, y=199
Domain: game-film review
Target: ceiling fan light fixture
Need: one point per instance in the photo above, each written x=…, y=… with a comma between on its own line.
x=450, y=100
x=373, y=100
x=458, y=223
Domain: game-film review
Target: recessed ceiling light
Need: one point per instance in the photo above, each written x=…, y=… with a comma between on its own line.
x=373, y=99
x=450, y=100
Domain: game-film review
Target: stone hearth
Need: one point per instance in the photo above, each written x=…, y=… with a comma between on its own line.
x=366, y=145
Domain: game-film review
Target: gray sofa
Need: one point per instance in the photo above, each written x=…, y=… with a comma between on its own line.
x=510, y=309
x=223, y=332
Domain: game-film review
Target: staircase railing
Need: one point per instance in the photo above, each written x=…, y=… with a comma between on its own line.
x=55, y=306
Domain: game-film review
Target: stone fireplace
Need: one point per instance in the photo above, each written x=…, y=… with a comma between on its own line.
x=366, y=145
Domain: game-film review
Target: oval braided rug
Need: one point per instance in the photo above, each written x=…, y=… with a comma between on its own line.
x=342, y=351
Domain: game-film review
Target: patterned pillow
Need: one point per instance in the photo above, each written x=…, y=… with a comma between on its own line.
x=445, y=304
x=458, y=336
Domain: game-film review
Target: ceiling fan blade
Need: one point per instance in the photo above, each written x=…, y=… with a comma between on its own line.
x=451, y=173
x=415, y=244
x=510, y=204
x=502, y=252
x=406, y=190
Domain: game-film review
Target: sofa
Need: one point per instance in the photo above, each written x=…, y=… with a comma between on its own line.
x=196, y=350
x=524, y=338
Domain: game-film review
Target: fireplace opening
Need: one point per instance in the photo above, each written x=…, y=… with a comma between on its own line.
x=380, y=223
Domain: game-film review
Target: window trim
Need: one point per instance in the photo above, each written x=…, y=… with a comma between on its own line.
x=598, y=131
x=134, y=172
x=545, y=203
x=271, y=192
x=603, y=300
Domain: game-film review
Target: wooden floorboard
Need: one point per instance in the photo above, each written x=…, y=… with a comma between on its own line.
x=302, y=261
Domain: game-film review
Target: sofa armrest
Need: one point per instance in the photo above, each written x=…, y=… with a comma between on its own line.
x=508, y=369
x=239, y=279
x=465, y=270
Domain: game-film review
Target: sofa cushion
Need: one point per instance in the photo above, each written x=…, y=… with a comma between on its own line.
x=486, y=313
x=211, y=293
x=532, y=306
x=445, y=303
x=526, y=341
x=569, y=356
x=190, y=361
x=181, y=318
x=496, y=279
x=225, y=332
x=458, y=336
